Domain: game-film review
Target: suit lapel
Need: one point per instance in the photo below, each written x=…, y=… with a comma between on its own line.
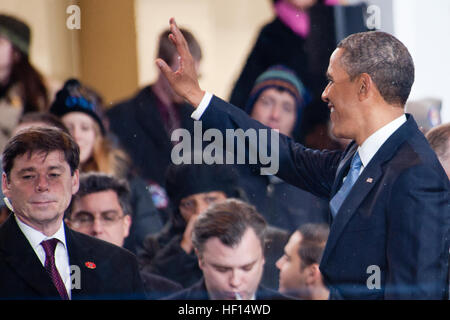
x=343, y=168
x=366, y=181
x=23, y=260
x=79, y=256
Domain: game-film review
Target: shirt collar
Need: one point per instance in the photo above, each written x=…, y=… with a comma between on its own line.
x=35, y=237
x=373, y=143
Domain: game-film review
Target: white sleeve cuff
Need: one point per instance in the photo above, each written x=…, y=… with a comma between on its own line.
x=197, y=114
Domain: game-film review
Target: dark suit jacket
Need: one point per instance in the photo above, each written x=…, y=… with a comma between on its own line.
x=22, y=276
x=158, y=287
x=390, y=238
x=140, y=129
x=198, y=292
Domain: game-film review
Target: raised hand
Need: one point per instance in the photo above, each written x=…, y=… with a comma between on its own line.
x=183, y=81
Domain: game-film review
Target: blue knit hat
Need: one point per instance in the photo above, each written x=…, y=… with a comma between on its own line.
x=75, y=97
x=280, y=77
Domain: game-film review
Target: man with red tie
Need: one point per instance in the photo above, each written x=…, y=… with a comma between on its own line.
x=40, y=257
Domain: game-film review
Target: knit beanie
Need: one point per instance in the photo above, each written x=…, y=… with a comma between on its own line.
x=281, y=77
x=74, y=97
x=16, y=31
x=188, y=179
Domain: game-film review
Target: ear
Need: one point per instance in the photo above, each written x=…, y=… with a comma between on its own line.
x=126, y=225
x=313, y=274
x=75, y=181
x=365, y=85
x=200, y=260
x=5, y=185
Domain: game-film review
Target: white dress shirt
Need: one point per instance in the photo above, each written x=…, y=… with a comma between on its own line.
x=35, y=238
x=374, y=142
x=198, y=112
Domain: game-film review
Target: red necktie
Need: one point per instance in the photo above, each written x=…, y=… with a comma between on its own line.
x=50, y=266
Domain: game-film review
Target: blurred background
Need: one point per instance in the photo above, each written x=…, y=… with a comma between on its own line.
x=114, y=49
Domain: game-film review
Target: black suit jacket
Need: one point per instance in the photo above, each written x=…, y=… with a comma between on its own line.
x=198, y=292
x=390, y=238
x=140, y=129
x=22, y=276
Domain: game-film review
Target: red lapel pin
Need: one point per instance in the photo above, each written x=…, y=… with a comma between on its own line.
x=90, y=265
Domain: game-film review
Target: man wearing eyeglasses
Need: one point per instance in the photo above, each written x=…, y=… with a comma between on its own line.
x=101, y=209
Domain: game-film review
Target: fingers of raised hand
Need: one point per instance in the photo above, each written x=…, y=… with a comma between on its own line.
x=178, y=39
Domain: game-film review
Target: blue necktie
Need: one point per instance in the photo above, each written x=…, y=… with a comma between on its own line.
x=352, y=176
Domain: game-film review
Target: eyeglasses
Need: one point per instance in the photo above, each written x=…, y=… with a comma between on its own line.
x=87, y=220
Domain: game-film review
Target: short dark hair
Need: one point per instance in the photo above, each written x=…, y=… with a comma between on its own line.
x=167, y=49
x=384, y=58
x=312, y=244
x=44, y=117
x=41, y=140
x=93, y=182
x=228, y=220
x=439, y=139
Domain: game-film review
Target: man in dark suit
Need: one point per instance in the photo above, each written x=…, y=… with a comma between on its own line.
x=40, y=258
x=390, y=217
x=228, y=239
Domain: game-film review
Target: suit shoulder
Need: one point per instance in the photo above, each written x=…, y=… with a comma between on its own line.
x=99, y=247
x=195, y=292
x=269, y=294
x=123, y=106
x=416, y=156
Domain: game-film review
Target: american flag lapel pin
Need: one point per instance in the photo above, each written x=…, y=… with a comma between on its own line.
x=369, y=180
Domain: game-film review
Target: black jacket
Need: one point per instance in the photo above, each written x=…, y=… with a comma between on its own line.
x=22, y=275
x=198, y=292
x=140, y=129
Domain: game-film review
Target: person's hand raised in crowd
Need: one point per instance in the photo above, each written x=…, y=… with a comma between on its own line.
x=186, y=242
x=183, y=81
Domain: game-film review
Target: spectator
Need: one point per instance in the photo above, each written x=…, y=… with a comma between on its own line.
x=277, y=101
x=439, y=139
x=300, y=276
x=145, y=122
x=229, y=242
x=192, y=188
x=76, y=106
x=40, y=176
x=300, y=37
x=22, y=88
x=31, y=119
x=101, y=208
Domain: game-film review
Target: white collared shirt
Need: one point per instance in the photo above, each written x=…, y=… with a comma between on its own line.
x=374, y=142
x=198, y=112
x=35, y=238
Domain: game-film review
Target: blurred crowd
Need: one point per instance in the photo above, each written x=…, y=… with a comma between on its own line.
x=132, y=194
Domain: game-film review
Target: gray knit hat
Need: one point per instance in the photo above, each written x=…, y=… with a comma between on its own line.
x=15, y=31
